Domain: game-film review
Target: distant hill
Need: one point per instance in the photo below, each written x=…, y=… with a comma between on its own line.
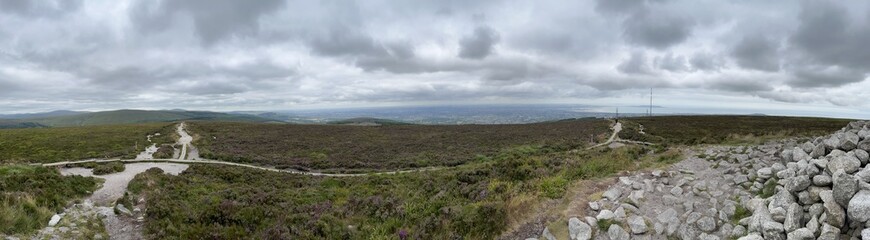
x=12, y=123
x=365, y=121
x=140, y=116
x=58, y=113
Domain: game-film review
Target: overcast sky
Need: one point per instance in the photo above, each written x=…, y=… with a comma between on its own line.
x=799, y=57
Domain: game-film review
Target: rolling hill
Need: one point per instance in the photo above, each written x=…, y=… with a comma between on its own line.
x=139, y=116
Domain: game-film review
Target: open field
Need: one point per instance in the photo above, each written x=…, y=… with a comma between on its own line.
x=72, y=143
x=475, y=201
x=382, y=147
x=30, y=195
x=691, y=130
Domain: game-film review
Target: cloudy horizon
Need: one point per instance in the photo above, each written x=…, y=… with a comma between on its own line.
x=776, y=57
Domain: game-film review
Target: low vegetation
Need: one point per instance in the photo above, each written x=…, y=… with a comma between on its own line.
x=30, y=195
x=474, y=201
x=44, y=145
x=382, y=147
x=691, y=130
x=107, y=168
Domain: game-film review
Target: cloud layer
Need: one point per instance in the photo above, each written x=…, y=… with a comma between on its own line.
x=277, y=54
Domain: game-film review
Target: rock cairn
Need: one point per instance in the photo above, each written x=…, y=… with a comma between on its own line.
x=822, y=190
x=816, y=189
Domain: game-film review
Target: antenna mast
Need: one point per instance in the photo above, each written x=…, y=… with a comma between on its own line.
x=650, y=102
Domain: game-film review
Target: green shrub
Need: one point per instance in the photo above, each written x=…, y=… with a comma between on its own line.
x=30, y=195
x=109, y=167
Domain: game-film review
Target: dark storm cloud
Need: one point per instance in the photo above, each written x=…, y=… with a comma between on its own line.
x=828, y=76
x=757, y=52
x=672, y=63
x=706, y=62
x=213, y=20
x=480, y=44
x=736, y=84
x=619, y=6
x=657, y=29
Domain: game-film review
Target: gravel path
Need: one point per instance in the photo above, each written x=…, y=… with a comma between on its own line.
x=116, y=183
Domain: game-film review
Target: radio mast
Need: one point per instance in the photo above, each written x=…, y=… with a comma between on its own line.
x=650, y=102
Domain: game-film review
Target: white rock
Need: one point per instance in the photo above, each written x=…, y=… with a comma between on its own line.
x=578, y=230
x=706, y=224
x=801, y=234
x=605, y=215
x=753, y=236
x=849, y=164
x=836, y=216
x=547, y=234
x=773, y=230
x=612, y=194
x=845, y=186
x=54, y=220
x=859, y=207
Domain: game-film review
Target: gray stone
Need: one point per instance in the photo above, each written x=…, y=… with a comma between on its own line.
x=849, y=164
x=613, y=194
x=605, y=215
x=677, y=191
x=123, y=210
x=865, y=234
x=619, y=213
x=818, y=151
x=797, y=183
x=804, y=198
x=778, y=214
x=773, y=230
x=836, y=216
x=707, y=224
x=594, y=206
x=849, y=142
x=765, y=173
x=615, y=232
x=864, y=145
x=845, y=186
x=822, y=180
x=591, y=221
x=577, y=230
x=807, y=147
x=753, y=236
x=547, y=235
x=637, y=224
x=738, y=231
x=859, y=207
x=862, y=156
x=829, y=233
x=863, y=175
x=781, y=199
x=832, y=142
x=798, y=155
x=801, y=234
x=793, y=216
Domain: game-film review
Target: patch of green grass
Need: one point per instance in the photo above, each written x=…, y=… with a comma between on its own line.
x=603, y=225
x=769, y=188
x=46, y=145
x=740, y=212
x=109, y=167
x=692, y=130
x=30, y=195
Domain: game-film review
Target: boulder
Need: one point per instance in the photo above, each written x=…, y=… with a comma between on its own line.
x=845, y=186
x=847, y=163
x=123, y=210
x=807, y=147
x=706, y=224
x=864, y=145
x=793, y=216
x=578, y=230
x=849, y=142
x=832, y=142
x=764, y=173
x=753, y=236
x=836, y=216
x=773, y=230
x=859, y=207
x=865, y=234
x=818, y=151
x=605, y=215
x=547, y=234
x=797, y=183
x=798, y=154
x=615, y=232
x=637, y=225
x=862, y=156
x=612, y=194
x=822, y=180
x=829, y=233
x=801, y=234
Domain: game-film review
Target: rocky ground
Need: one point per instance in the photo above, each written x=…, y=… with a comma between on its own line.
x=815, y=189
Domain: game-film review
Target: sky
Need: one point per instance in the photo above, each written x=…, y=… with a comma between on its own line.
x=805, y=57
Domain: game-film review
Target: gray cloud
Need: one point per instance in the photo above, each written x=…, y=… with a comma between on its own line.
x=480, y=44
x=283, y=53
x=635, y=64
x=657, y=29
x=757, y=52
x=213, y=20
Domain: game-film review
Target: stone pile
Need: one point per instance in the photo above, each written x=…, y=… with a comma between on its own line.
x=821, y=190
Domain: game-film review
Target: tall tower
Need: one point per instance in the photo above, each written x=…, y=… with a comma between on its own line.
x=650, y=102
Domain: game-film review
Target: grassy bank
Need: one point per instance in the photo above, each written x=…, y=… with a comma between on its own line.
x=45, y=145
x=381, y=147
x=691, y=130
x=475, y=201
x=30, y=195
